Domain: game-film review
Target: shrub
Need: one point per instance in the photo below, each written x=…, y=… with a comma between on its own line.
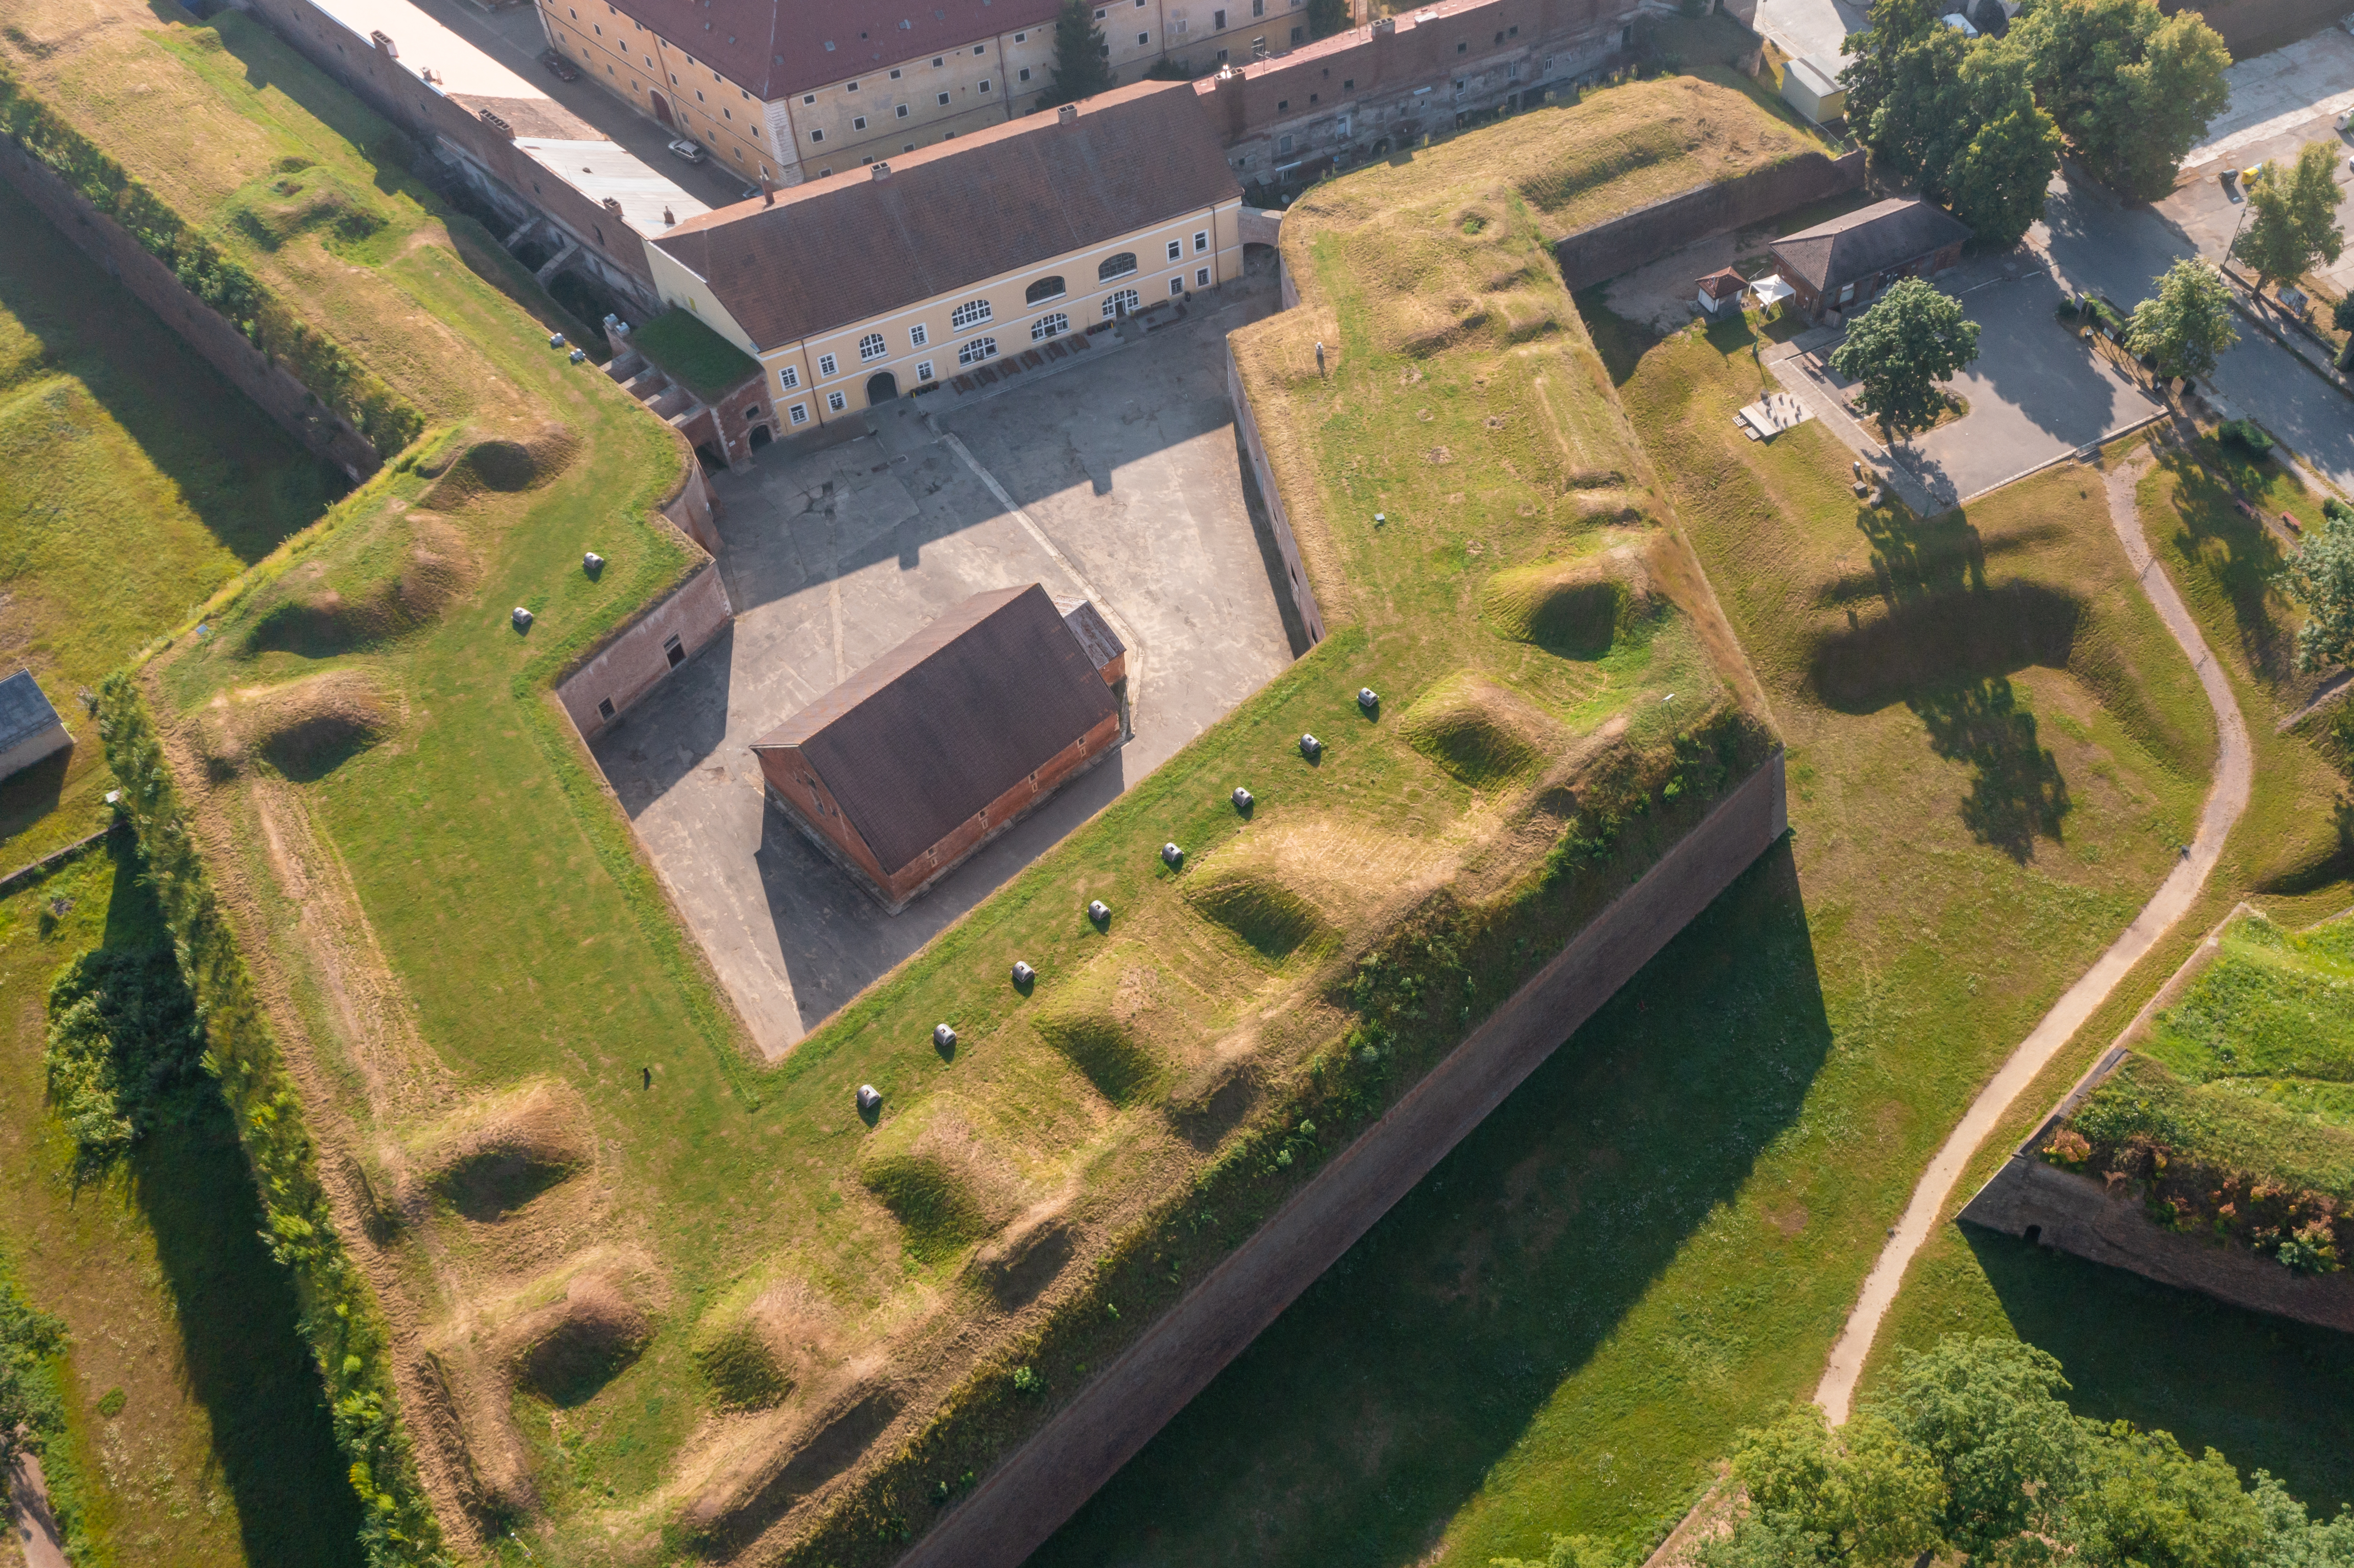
x=2310, y=1249
x=2245, y=434
x=2069, y=1148
x=123, y=1035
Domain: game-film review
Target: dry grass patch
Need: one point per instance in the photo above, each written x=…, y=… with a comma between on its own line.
x=1476, y=730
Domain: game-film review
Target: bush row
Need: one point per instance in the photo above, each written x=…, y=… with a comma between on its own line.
x=346, y=388
x=340, y=1319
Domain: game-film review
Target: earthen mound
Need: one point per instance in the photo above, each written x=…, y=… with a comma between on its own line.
x=1019, y=1264
x=504, y=464
x=305, y=729
x=1574, y=609
x=318, y=612
x=935, y=1171
x=491, y=1159
x=753, y=1354
x=1267, y=916
x=1475, y=730
x=566, y=1351
x=734, y=1510
x=1096, y=1022
x=1212, y=1099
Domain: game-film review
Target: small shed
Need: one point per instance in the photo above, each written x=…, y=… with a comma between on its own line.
x=1810, y=85
x=1720, y=292
x=29, y=727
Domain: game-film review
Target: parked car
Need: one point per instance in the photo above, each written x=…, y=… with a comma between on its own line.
x=564, y=68
x=690, y=150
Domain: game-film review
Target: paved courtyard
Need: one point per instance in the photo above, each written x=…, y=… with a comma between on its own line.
x=1125, y=483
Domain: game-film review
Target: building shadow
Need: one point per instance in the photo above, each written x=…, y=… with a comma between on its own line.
x=677, y=727
x=835, y=937
x=1391, y=1390
x=2269, y=1392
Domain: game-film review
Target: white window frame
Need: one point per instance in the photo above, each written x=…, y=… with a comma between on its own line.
x=1055, y=324
x=923, y=371
x=1177, y=285
x=1176, y=250
x=970, y=314
x=1201, y=277
x=798, y=413
x=1200, y=241
x=836, y=402
x=872, y=347
x=1113, y=301
x=825, y=366
x=977, y=350
x=918, y=335
x=788, y=377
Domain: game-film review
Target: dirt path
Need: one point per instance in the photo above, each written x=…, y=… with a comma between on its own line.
x=2227, y=797
x=31, y=1524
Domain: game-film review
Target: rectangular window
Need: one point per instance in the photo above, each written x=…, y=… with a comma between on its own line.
x=1021, y=37
x=1218, y=21
x=825, y=365
x=1201, y=277
x=809, y=98
x=924, y=370
x=674, y=650
x=798, y=413
x=1341, y=125
x=858, y=123
x=835, y=402
x=979, y=49
x=1258, y=7
x=984, y=84
x=1298, y=35
x=788, y=377
x=936, y=62
x=1200, y=241
x=944, y=98
x=1283, y=143
x=918, y=335
x=817, y=135
x=901, y=112
x=1099, y=13
x=850, y=87
x=1176, y=285
x=1025, y=73
x=604, y=709
x=1143, y=39
x=895, y=75
x=1176, y=249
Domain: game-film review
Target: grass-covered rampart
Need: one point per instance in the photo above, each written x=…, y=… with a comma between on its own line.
x=2235, y=1115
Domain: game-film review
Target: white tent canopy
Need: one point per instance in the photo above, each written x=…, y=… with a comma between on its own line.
x=1770, y=290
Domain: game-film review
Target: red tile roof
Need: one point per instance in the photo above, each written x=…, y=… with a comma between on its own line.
x=917, y=743
x=840, y=251
x=775, y=48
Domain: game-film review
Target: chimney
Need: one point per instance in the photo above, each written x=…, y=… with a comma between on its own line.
x=613, y=205
x=667, y=219
x=882, y=170
x=497, y=124
x=1230, y=99
x=1384, y=47
x=767, y=191
x=1067, y=114
x=383, y=40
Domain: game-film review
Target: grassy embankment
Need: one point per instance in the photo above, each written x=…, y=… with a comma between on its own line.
x=292, y=180
x=1995, y=751
x=363, y=752
x=133, y=482
x=2265, y=1391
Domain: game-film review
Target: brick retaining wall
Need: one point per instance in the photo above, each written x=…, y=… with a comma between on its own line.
x=273, y=387
x=1635, y=239
x=1303, y=594
x=1043, y=1483
x=633, y=661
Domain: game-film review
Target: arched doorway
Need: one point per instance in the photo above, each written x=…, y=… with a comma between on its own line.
x=760, y=436
x=881, y=387
x=662, y=110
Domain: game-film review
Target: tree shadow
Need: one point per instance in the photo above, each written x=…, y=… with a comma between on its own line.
x=1384, y=1397
x=2239, y=554
x=2269, y=1392
x=2016, y=794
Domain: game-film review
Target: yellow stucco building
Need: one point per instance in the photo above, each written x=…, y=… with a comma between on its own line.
x=858, y=288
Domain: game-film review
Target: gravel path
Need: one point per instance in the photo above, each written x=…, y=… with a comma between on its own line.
x=30, y=1521
x=2227, y=797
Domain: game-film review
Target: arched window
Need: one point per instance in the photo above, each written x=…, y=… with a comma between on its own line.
x=872, y=346
x=971, y=313
x=1124, y=299
x=1119, y=266
x=977, y=349
x=1045, y=327
x=1044, y=289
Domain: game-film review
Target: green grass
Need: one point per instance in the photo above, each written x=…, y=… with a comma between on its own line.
x=694, y=355
x=196, y=1434
x=1655, y=1241
x=133, y=482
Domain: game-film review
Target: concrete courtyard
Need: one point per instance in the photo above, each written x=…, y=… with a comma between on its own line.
x=1114, y=476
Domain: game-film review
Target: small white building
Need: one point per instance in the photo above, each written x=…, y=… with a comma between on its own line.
x=29, y=727
x=1811, y=86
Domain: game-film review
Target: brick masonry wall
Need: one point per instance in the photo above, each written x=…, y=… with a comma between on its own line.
x=1043, y=1483
x=1632, y=239
x=273, y=387
x=2078, y=1214
x=1303, y=594
x=632, y=663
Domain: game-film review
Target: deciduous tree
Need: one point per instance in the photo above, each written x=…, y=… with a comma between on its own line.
x=1988, y=1412
x=1082, y=58
x=2319, y=576
x=2132, y=89
x=1860, y=1495
x=1913, y=337
x=2187, y=322
x=2292, y=220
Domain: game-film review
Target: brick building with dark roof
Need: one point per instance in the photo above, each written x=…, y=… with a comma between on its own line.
x=905, y=769
x=1838, y=265
x=854, y=290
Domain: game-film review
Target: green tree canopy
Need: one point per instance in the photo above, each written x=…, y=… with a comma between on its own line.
x=2319, y=576
x=1913, y=337
x=2132, y=89
x=2145, y=1503
x=1326, y=18
x=29, y=1404
x=1988, y=1412
x=1082, y=58
x=2187, y=322
x=1860, y=1495
x=1956, y=115
x=2292, y=220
